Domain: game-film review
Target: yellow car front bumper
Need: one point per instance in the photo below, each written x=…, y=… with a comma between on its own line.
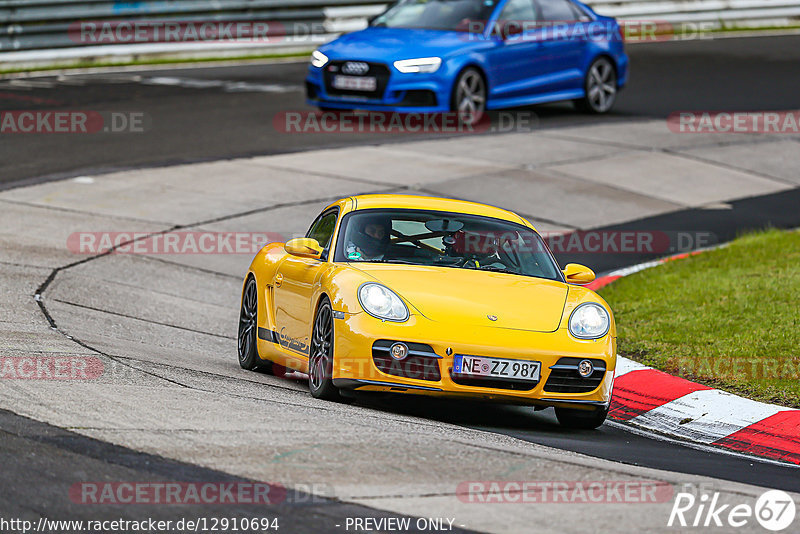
x=434, y=345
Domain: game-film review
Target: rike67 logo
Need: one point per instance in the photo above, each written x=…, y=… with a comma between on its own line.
x=774, y=510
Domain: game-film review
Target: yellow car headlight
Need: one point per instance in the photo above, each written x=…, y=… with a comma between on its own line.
x=381, y=302
x=589, y=321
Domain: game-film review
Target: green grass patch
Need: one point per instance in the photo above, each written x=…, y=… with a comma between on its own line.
x=728, y=318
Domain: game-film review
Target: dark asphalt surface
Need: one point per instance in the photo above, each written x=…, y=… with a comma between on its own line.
x=43, y=467
x=228, y=120
x=195, y=124
x=608, y=442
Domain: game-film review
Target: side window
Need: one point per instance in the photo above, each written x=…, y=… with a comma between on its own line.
x=520, y=12
x=557, y=11
x=322, y=230
x=580, y=14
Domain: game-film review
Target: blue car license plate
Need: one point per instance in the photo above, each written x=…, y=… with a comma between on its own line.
x=355, y=83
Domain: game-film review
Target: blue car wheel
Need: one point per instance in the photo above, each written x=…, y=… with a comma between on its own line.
x=601, y=87
x=469, y=95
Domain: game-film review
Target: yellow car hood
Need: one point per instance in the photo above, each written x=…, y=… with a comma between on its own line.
x=469, y=297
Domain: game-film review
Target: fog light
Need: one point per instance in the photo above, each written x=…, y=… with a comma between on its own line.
x=399, y=351
x=585, y=368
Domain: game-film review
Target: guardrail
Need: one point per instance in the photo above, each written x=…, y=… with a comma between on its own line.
x=725, y=13
x=37, y=24
x=50, y=24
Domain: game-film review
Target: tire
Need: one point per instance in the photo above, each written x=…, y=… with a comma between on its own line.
x=469, y=96
x=600, y=86
x=581, y=419
x=320, y=359
x=248, y=327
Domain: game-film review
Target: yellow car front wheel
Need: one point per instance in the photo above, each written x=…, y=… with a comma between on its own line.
x=581, y=419
x=320, y=361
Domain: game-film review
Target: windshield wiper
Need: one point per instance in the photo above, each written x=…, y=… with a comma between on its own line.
x=497, y=269
x=405, y=262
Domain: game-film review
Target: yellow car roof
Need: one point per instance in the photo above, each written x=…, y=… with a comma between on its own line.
x=362, y=202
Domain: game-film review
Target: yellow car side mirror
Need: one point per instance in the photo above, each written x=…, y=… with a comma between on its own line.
x=578, y=274
x=303, y=247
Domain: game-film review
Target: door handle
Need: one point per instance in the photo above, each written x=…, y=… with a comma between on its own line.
x=278, y=280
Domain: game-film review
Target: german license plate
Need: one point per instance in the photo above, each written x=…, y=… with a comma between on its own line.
x=481, y=366
x=355, y=83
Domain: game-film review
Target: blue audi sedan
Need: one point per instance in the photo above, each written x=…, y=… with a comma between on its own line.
x=468, y=56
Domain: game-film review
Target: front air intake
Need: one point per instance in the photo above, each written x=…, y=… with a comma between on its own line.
x=564, y=376
x=421, y=363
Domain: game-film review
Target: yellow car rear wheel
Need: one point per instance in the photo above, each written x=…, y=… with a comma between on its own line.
x=248, y=331
x=248, y=327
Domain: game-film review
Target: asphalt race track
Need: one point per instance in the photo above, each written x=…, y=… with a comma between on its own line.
x=219, y=113
x=56, y=458
x=233, y=118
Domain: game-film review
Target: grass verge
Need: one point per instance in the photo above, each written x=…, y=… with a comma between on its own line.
x=728, y=318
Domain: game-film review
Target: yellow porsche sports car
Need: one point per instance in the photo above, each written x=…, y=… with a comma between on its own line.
x=430, y=296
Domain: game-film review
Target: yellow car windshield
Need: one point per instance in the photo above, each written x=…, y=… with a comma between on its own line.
x=443, y=239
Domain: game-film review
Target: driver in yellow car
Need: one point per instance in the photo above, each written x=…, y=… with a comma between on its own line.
x=370, y=241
